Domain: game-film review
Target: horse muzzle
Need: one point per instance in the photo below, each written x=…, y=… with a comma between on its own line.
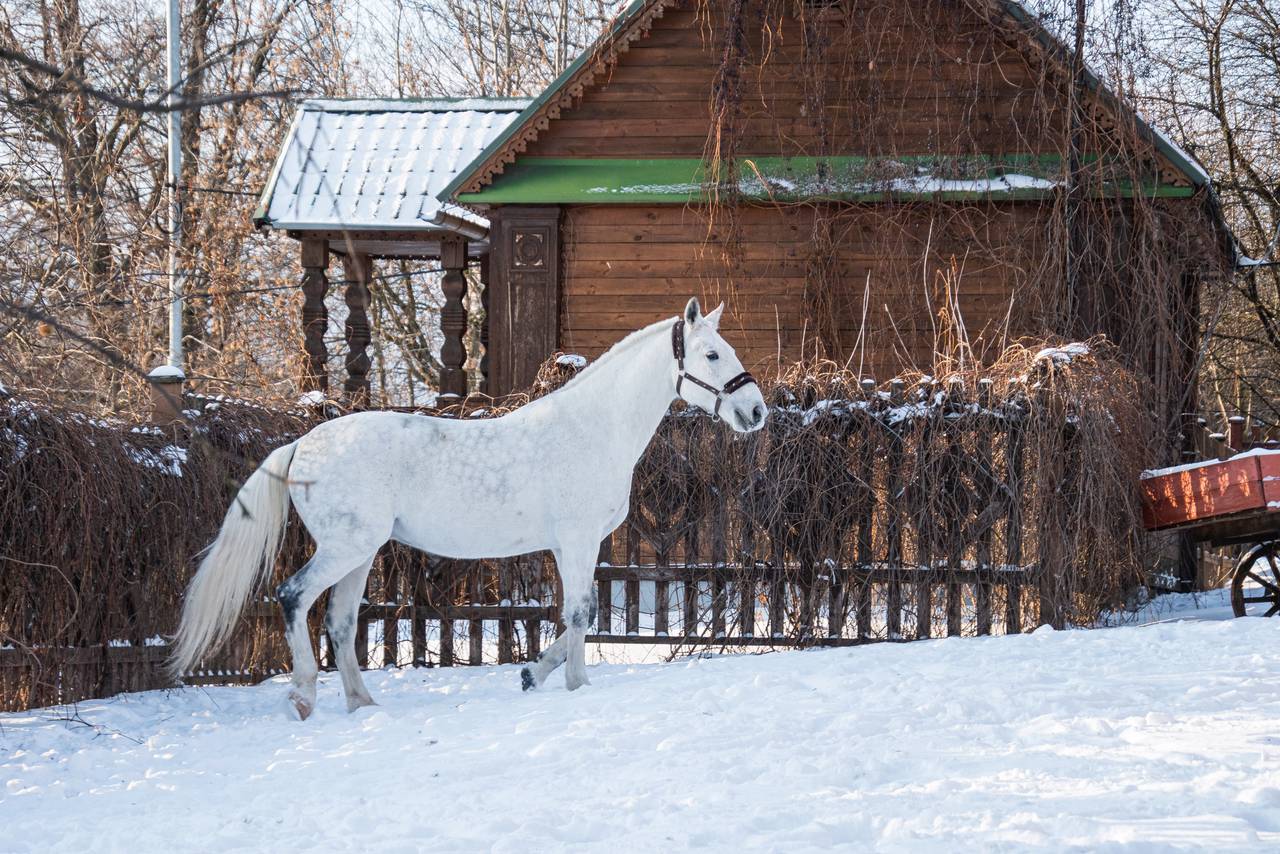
x=750, y=418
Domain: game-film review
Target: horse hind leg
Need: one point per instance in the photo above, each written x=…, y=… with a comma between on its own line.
x=340, y=623
x=297, y=595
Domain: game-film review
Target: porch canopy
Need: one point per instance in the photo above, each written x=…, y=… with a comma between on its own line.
x=360, y=179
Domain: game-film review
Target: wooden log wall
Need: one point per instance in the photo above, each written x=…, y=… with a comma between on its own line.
x=932, y=78
x=626, y=265
x=889, y=80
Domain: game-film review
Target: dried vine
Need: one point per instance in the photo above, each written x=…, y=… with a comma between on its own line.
x=942, y=94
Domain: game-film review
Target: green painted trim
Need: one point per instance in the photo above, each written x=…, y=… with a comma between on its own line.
x=568, y=180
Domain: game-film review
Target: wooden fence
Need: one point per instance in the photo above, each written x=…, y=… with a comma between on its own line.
x=861, y=513
x=705, y=560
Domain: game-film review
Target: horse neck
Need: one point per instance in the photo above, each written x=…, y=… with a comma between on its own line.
x=629, y=391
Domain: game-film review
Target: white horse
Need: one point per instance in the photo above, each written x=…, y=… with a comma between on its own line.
x=554, y=474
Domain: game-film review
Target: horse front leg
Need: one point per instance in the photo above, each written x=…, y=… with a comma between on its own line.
x=579, y=618
x=552, y=657
x=579, y=615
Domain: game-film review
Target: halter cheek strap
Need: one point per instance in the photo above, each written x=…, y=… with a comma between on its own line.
x=677, y=350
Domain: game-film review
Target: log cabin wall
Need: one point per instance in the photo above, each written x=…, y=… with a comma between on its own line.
x=913, y=88
x=628, y=265
x=934, y=78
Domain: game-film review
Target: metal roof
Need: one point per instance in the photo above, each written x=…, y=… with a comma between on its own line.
x=378, y=164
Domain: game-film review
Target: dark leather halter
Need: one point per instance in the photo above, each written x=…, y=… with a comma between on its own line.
x=677, y=349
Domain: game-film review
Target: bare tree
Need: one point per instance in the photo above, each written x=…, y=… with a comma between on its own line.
x=82, y=171
x=1213, y=75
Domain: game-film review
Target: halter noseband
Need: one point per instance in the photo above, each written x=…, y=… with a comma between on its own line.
x=677, y=349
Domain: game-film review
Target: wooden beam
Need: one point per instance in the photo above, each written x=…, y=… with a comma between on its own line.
x=337, y=236
x=484, y=322
x=453, y=317
x=315, y=317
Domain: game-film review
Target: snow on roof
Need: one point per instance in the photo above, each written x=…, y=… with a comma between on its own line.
x=377, y=164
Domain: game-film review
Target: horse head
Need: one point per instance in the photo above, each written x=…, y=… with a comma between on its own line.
x=709, y=374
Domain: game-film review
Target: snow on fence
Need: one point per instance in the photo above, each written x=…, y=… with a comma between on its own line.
x=963, y=504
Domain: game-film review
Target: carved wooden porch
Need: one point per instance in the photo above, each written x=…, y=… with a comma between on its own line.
x=360, y=253
x=356, y=182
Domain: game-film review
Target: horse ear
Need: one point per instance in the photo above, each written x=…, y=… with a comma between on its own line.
x=692, y=311
x=713, y=317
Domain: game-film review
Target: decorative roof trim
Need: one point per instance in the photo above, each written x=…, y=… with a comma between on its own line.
x=632, y=24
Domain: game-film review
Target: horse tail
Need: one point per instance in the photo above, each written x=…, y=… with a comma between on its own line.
x=240, y=557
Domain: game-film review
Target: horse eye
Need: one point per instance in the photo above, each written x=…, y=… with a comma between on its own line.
x=712, y=356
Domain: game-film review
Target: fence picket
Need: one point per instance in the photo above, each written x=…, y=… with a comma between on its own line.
x=632, y=599
x=984, y=490
x=1015, y=413
x=893, y=524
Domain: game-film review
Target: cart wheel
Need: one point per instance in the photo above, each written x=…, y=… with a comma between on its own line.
x=1260, y=564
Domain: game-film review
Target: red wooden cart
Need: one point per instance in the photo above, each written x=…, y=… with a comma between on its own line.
x=1226, y=502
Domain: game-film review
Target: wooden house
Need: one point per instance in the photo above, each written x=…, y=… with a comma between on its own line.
x=902, y=174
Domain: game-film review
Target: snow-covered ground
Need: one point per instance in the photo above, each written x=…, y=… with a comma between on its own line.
x=1157, y=737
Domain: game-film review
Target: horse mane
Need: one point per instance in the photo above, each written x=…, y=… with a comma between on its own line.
x=623, y=346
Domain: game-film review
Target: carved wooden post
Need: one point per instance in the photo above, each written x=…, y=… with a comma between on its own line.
x=315, y=317
x=484, y=322
x=453, y=317
x=357, y=270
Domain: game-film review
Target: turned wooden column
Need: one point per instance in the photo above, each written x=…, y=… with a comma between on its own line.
x=484, y=323
x=453, y=317
x=315, y=317
x=358, y=271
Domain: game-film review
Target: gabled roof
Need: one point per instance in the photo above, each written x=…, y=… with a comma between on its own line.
x=635, y=22
x=379, y=164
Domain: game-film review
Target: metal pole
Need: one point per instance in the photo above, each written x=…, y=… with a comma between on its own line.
x=175, y=201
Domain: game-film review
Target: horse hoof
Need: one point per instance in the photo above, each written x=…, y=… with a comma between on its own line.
x=575, y=684
x=354, y=703
x=526, y=680
x=301, y=705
